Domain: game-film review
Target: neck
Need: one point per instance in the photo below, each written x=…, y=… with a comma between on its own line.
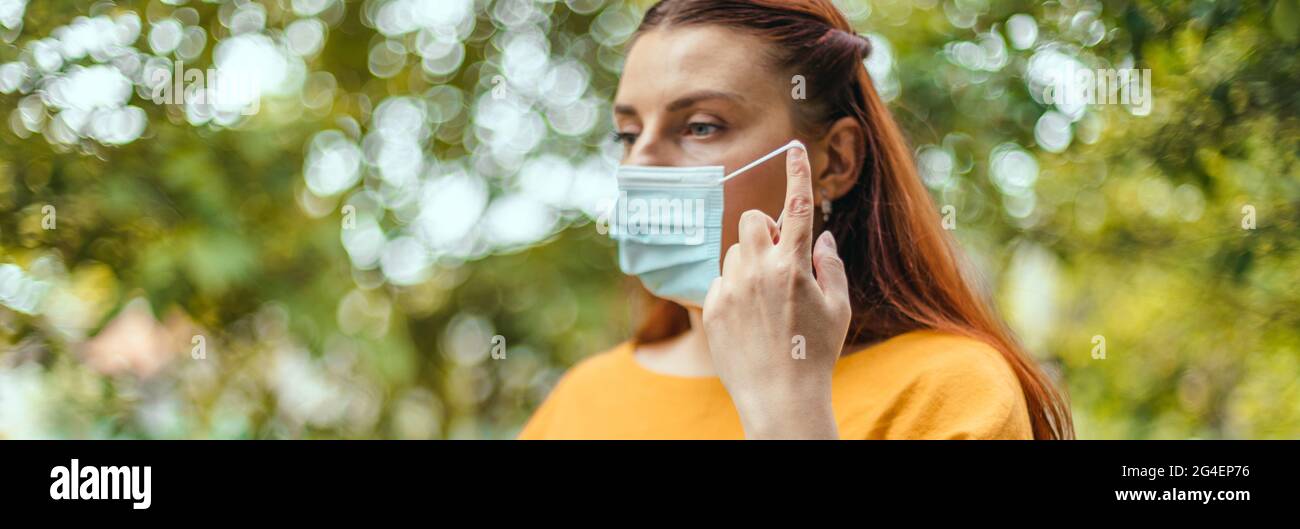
x=686, y=354
x=696, y=342
x=696, y=335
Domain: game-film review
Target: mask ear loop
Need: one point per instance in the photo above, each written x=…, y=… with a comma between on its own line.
x=766, y=157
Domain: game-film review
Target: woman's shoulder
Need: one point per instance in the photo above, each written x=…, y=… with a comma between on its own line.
x=597, y=368
x=586, y=381
x=933, y=354
x=939, y=385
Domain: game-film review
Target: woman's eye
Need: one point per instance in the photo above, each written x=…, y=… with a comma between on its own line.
x=625, y=138
x=702, y=130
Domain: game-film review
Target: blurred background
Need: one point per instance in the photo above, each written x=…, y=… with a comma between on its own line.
x=409, y=189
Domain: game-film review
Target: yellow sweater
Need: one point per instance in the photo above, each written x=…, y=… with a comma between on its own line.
x=918, y=385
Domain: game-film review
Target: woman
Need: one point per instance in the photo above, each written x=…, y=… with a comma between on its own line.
x=848, y=318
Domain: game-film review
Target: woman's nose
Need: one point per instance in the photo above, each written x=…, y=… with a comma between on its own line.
x=651, y=150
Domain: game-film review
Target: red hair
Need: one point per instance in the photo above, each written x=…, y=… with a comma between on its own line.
x=904, y=271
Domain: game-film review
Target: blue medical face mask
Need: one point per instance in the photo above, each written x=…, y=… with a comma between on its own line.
x=668, y=224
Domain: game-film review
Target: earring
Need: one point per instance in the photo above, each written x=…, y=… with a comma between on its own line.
x=826, y=206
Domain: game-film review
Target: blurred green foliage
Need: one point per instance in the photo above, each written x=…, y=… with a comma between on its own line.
x=1125, y=233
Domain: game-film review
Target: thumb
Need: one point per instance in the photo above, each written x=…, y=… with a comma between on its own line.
x=830, y=269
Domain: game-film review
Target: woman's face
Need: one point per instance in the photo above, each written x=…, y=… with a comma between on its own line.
x=701, y=95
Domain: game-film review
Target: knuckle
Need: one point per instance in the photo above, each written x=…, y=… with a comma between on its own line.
x=745, y=221
x=726, y=298
x=751, y=222
x=783, y=268
x=798, y=169
x=832, y=263
x=730, y=258
x=716, y=301
x=798, y=206
x=710, y=313
x=799, y=238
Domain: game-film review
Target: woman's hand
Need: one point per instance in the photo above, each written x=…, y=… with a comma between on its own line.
x=775, y=330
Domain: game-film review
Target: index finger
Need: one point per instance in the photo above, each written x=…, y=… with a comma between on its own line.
x=796, y=217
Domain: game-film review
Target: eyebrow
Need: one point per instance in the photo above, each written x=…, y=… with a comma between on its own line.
x=687, y=100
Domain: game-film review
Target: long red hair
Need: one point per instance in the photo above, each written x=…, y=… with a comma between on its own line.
x=904, y=271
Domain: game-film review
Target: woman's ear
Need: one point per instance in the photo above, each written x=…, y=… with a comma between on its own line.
x=845, y=146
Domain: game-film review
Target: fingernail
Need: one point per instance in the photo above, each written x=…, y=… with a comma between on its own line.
x=828, y=239
x=798, y=151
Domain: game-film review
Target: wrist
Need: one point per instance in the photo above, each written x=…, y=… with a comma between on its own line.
x=801, y=414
